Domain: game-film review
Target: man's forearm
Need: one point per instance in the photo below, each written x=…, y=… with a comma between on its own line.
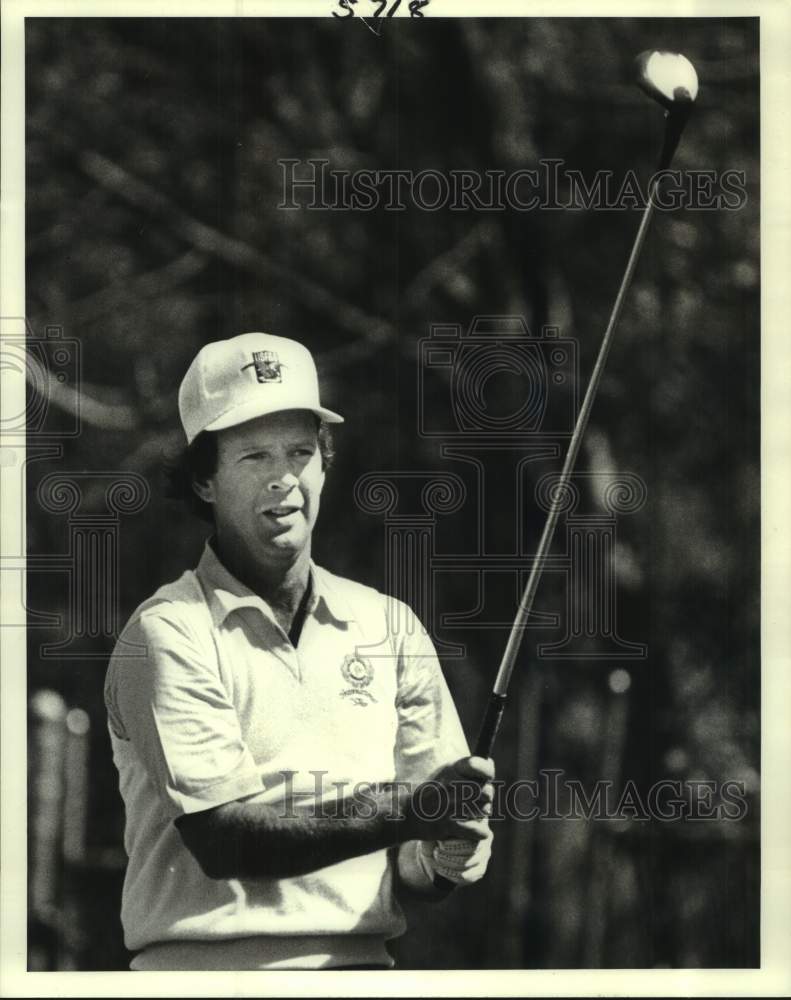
x=255, y=840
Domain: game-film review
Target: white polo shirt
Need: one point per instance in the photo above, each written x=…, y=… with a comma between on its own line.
x=208, y=702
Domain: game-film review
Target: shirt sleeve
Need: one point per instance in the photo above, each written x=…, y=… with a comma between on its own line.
x=170, y=704
x=429, y=731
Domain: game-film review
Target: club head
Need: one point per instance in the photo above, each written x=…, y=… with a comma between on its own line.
x=668, y=78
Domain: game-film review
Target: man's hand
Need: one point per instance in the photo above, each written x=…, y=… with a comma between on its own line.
x=454, y=803
x=459, y=863
x=462, y=862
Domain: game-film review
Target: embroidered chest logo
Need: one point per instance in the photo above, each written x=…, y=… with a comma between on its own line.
x=267, y=366
x=358, y=673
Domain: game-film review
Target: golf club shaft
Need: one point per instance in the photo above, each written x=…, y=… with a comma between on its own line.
x=484, y=745
x=496, y=706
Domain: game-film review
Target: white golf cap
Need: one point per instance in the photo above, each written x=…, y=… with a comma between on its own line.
x=232, y=381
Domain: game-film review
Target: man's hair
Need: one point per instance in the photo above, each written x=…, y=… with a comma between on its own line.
x=197, y=462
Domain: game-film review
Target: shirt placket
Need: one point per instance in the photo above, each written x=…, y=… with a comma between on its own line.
x=265, y=625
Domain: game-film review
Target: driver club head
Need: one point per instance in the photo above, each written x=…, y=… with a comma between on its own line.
x=669, y=79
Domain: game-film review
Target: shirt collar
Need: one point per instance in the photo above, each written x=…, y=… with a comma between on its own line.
x=325, y=589
x=225, y=593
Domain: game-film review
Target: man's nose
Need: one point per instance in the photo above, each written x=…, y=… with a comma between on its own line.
x=283, y=484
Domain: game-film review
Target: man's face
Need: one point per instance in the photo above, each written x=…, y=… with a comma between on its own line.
x=267, y=486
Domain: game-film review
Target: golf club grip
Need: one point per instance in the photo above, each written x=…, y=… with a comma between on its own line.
x=490, y=725
x=483, y=748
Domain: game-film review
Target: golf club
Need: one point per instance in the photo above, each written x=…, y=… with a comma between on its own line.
x=671, y=80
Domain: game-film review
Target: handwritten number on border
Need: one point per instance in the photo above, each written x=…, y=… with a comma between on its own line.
x=415, y=7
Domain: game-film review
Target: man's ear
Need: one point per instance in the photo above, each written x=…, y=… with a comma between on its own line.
x=204, y=488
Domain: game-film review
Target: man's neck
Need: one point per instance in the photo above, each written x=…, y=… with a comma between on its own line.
x=281, y=585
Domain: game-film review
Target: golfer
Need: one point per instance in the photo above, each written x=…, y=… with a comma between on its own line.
x=289, y=755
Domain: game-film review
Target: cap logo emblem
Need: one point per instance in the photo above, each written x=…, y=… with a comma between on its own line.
x=267, y=366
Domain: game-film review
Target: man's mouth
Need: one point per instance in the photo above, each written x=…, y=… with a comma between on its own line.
x=281, y=512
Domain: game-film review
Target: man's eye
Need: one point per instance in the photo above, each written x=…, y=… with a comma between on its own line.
x=253, y=455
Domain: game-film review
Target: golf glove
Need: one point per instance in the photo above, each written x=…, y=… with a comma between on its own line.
x=462, y=862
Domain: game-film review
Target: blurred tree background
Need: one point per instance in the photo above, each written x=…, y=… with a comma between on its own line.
x=153, y=227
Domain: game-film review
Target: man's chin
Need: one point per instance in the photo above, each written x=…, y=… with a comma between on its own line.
x=288, y=542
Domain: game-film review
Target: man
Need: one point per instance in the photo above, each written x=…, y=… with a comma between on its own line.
x=274, y=725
